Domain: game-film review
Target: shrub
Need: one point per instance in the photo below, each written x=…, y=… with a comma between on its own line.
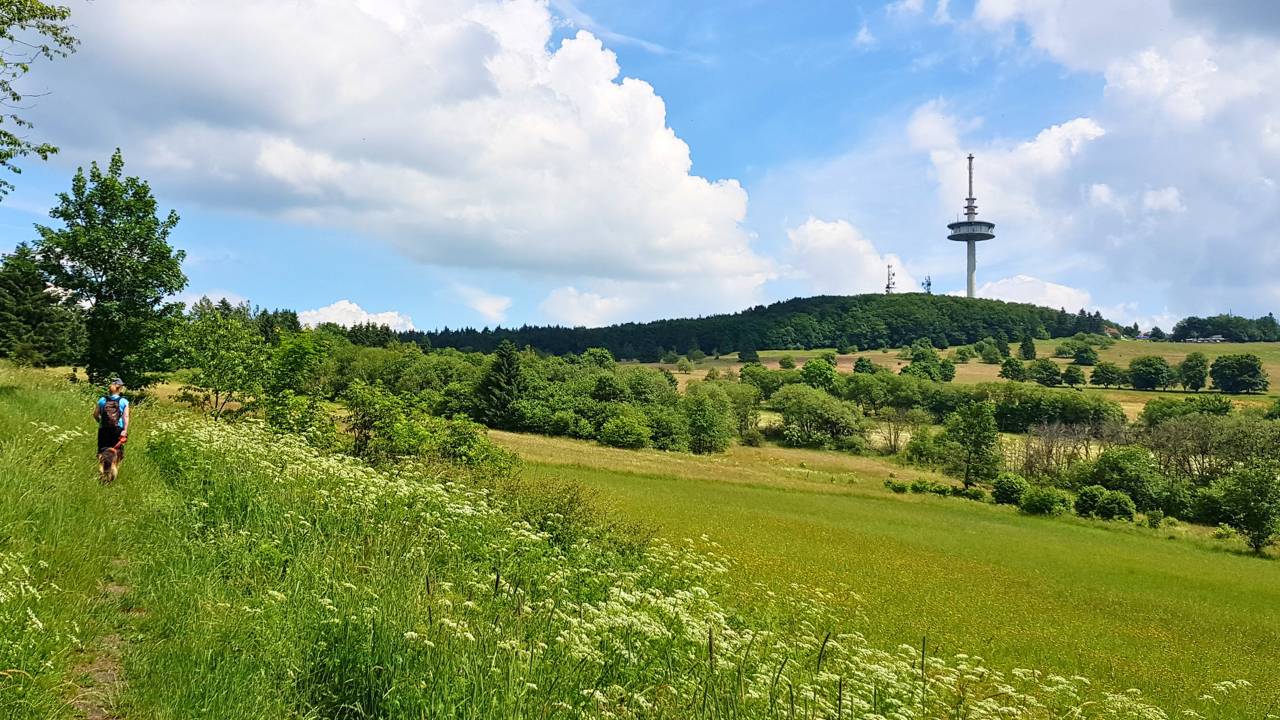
x=1115, y=505
x=813, y=418
x=925, y=448
x=786, y=362
x=1044, y=500
x=1155, y=519
x=976, y=494
x=670, y=428
x=1088, y=500
x=1131, y=470
x=627, y=429
x=896, y=485
x=1251, y=498
x=1008, y=488
x=753, y=437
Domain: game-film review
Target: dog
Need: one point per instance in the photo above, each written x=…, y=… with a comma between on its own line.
x=109, y=464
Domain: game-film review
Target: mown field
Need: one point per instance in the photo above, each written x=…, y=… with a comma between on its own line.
x=1121, y=353
x=1168, y=611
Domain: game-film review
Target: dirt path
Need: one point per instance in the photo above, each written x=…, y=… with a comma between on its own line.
x=98, y=673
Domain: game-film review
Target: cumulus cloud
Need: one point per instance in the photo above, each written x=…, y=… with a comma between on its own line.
x=492, y=307
x=864, y=38
x=347, y=313
x=833, y=258
x=569, y=306
x=1163, y=200
x=453, y=129
x=1028, y=289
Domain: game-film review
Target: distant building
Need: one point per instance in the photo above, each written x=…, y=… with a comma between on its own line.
x=1210, y=339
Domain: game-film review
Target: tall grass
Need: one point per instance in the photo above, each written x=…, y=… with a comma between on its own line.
x=277, y=582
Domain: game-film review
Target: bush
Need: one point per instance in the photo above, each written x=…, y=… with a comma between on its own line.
x=1008, y=488
x=710, y=416
x=1131, y=470
x=896, y=485
x=670, y=428
x=753, y=437
x=925, y=448
x=976, y=494
x=1044, y=500
x=1115, y=505
x=813, y=418
x=1155, y=519
x=1088, y=500
x=627, y=429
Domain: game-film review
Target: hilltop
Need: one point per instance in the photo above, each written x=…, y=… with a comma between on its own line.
x=841, y=321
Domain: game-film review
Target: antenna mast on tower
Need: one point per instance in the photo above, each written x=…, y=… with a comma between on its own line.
x=890, y=285
x=927, y=285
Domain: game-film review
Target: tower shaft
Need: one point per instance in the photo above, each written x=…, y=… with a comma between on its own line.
x=972, y=267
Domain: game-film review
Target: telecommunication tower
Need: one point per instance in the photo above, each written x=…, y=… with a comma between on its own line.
x=891, y=283
x=971, y=231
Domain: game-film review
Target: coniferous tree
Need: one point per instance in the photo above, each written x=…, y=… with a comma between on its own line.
x=35, y=327
x=502, y=385
x=1027, y=350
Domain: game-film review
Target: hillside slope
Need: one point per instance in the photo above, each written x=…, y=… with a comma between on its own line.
x=864, y=321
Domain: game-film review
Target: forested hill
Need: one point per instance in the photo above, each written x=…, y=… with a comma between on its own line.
x=862, y=321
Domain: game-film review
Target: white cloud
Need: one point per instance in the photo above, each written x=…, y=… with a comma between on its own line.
x=451, y=128
x=833, y=258
x=347, y=313
x=492, y=307
x=568, y=306
x=1027, y=289
x=905, y=7
x=1101, y=195
x=864, y=38
x=1163, y=200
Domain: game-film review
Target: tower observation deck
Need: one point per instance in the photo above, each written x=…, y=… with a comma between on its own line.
x=971, y=230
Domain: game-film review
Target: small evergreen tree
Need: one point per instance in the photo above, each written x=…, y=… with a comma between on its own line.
x=32, y=319
x=501, y=387
x=1027, y=350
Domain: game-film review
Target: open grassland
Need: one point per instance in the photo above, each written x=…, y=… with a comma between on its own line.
x=1168, y=611
x=236, y=573
x=1121, y=353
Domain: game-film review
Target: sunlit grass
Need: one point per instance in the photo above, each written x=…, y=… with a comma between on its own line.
x=1167, y=611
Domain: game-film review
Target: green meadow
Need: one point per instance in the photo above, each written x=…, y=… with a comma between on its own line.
x=1167, y=611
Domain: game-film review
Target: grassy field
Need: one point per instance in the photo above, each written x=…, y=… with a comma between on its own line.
x=1168, y=611
x=975, y=372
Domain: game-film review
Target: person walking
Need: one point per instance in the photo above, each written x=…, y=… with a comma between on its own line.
x=112, y=414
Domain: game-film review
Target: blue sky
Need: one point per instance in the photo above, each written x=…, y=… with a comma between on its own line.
x=474, y=162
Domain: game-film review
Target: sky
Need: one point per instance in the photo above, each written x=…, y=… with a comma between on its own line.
x=432, y=163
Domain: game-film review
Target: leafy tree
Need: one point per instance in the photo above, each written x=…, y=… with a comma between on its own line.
x=710, y=417
x=1013, y=369
x=502, y=386
x=964, y=354
x=900, y=424
x=683, y=366
x=695, y=355
x=33, y=322
x=1162, y=409
x=31, y=30
x=1150, y=372
x=1193, y=371
x=748, y=355
x=1027, y=349
x=813, y=418
x=1131, y=470
x=670, y=357
x=744, y=400
x=1250, y=496
x=113, y=253
x=820, y=372
x=1045, y=372
x=786, y=362
x=988, y=351
x=973, y=430
x=864, y=365
x=1273, y=413
x=1240, y=373
x=1072, y=376
x=629, y=428
x=765, y=380
x=597, y=356
x=866, y=390
x=1108, y=374
x=1157, y=334
x=226, y=354
x=1085, y=355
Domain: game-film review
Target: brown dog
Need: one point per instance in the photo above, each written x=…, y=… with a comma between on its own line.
x=108, y=465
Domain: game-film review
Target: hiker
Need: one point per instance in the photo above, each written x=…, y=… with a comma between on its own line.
x=112, y=414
